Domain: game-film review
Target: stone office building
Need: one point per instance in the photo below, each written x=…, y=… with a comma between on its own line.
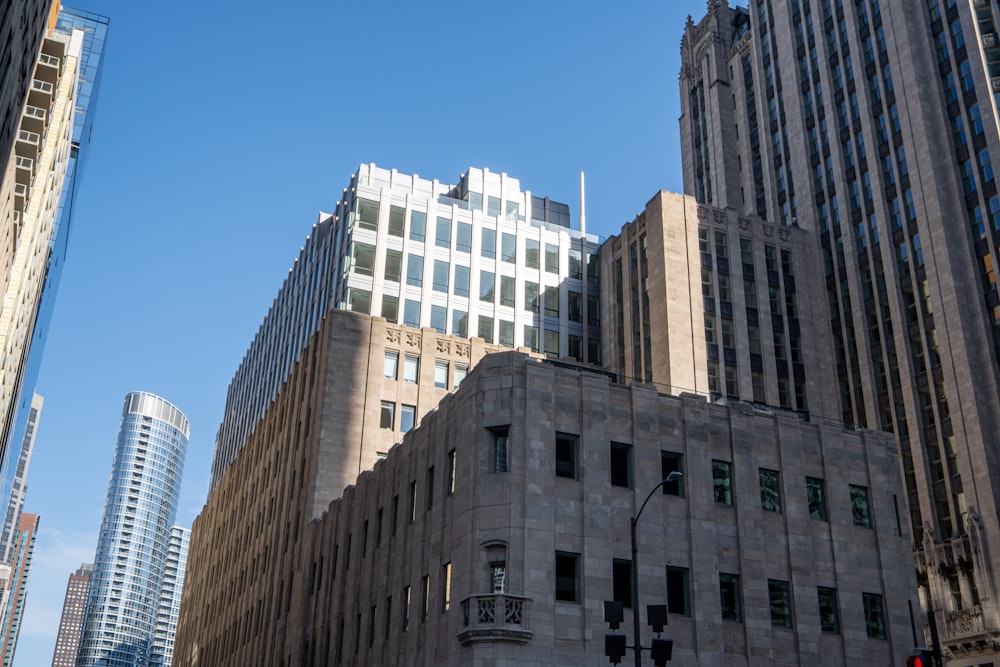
x=494, y=531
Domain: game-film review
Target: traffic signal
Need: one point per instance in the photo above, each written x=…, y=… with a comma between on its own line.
x=925, y=658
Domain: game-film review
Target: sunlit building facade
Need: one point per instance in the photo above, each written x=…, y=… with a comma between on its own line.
x=22, y=553
x=71, y=620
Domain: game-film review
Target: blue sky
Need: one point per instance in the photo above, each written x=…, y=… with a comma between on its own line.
x=222, y=129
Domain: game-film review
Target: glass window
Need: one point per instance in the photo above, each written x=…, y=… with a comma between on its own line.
x=672, y=462
x=441, y=374
x=722, y=482
x=506, y=290
x=621, y=465
x=460, y=374
x=575, y=263
x=463, y=237
x=551, y=342
x=552, y=301
x=387, y=415
x=860, y=511
x=508, y=248
x=492, y=206
x=730, y=597
x=593, y=269
x=567, y=576
x=621, y=581
x=567, y=446
x=678, y=591
x=445, y=587
x=513, y=210
x=461, y=280
x=488, y=248
x=397, y=221
x=781, y=603
x=816, y=498
x=770, y=490
x=574, y=304
x=440, y=276
x=452, y=459
x=439, y=319
x=475, y=200
x=411, y=368
x=411, y=313
x=499, y=435
x=531, y=253
x=829, y=617
x=414, y=270
x=459, y=323
x=425, y=597
x=874, y=615
x=363, y=259
x=506, y=333
x=442, y=235
x=531, y=296
x=359, y=300
x=485, y=330
x=575, y=346
x=407, y=414
x=594, y=350
x=391, y=366
x=367, y=214
x=551, y=258
x=393, y=265
x=498, y=577
x=593, y=313
x=390, y=308
x=430, y=489
x=531, y=337
x=486, y=286
x=418, y=225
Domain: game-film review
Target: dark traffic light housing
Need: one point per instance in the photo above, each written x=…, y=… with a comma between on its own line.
x=923, y=658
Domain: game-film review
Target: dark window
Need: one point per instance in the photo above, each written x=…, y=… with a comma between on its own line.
x=730, y=597
x=451, y=472
x=678, y=597
x=621, y=464
x=860, y=511
x=413, y=501
x=781, y=603
x=722, y=482
x=395, y=513
x=425, y=595
x=500, y=435
x=829, y=617
x=816, y=498
x=418, y=225
x=566, y=455
x=672, y=462
x=430, y=487
x=621, y=575
x=770, y=491
x=397, y=220
x=567, y=576
x=874, y=615
x=387, y=415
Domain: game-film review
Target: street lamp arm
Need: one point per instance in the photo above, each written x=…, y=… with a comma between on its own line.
x=672, y=477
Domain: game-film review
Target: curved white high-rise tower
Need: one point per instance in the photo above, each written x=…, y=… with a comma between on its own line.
x=135, y=533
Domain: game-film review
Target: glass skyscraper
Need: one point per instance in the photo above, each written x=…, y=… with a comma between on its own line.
x=134, y=544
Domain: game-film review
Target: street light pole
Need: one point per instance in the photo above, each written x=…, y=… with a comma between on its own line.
x=672, y=477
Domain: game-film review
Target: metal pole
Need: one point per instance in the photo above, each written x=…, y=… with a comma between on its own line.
x=635, y=596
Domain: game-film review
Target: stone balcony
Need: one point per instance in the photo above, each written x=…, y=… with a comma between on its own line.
x=495, y=617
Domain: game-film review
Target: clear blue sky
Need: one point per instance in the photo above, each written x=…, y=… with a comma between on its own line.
x=223, y=128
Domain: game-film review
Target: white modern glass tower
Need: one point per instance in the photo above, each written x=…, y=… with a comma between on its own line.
x=134, y=542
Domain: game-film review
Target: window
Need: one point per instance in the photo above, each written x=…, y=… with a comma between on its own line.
x=531, y=253
x=411, y=366
x=393, y=265
x=672, y=462
x=678, y=591
x=486, y=286
x=413, y=501
x=722, y=482
x=359, y=300
x=441, y=374
x=406, y=608
x=407, y=415
x=367, y=214
x=621, y=465
x=829, y=617
x=418, y=225
x=621, y=581
x=506, y=333
x=508, y=248
x=388, y=415
x=575, y=345
x=499, y=435
x=397, y=220
x=874, y=615
x=414, y=270
x=781, y=603
x=489, y=243
x=730, y=597
x=388, y=619
x=816, y=498
x=531, y=296
x=552, y=301
x=378, y=526
x=575, y=264
x=531, y=337
x=513, y=210
x=574, y=306
x=551, y=258
x=411, y=313
x=439, y=319
x=390, y=308
x=593, y=311
x=506, y=290
x=445, y=587
x=391, y=364
x=395, y=513
x=566, y=455
x=498, y=577
x=451, y=472
x=770, y=491
x=441, y=276
x=459, y=323
x=463, y=237
x=567, y=577
x=492, y=206
x=485, y=330
x=424, y=597
x=461, y=280
x=859, y=506
x=459, y=375
x=551, y=341
x=442, y=237
x=430, y=489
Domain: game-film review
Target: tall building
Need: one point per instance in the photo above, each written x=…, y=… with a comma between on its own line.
x=71, y=621
x=871, y=126
x=132, y=550
x=482, y=258
x=19, y=490
x=87, y=33
x=169, y=605
x=493, y=533
x=22, y=552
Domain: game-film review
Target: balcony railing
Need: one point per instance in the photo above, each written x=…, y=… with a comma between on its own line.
x=495, y=617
